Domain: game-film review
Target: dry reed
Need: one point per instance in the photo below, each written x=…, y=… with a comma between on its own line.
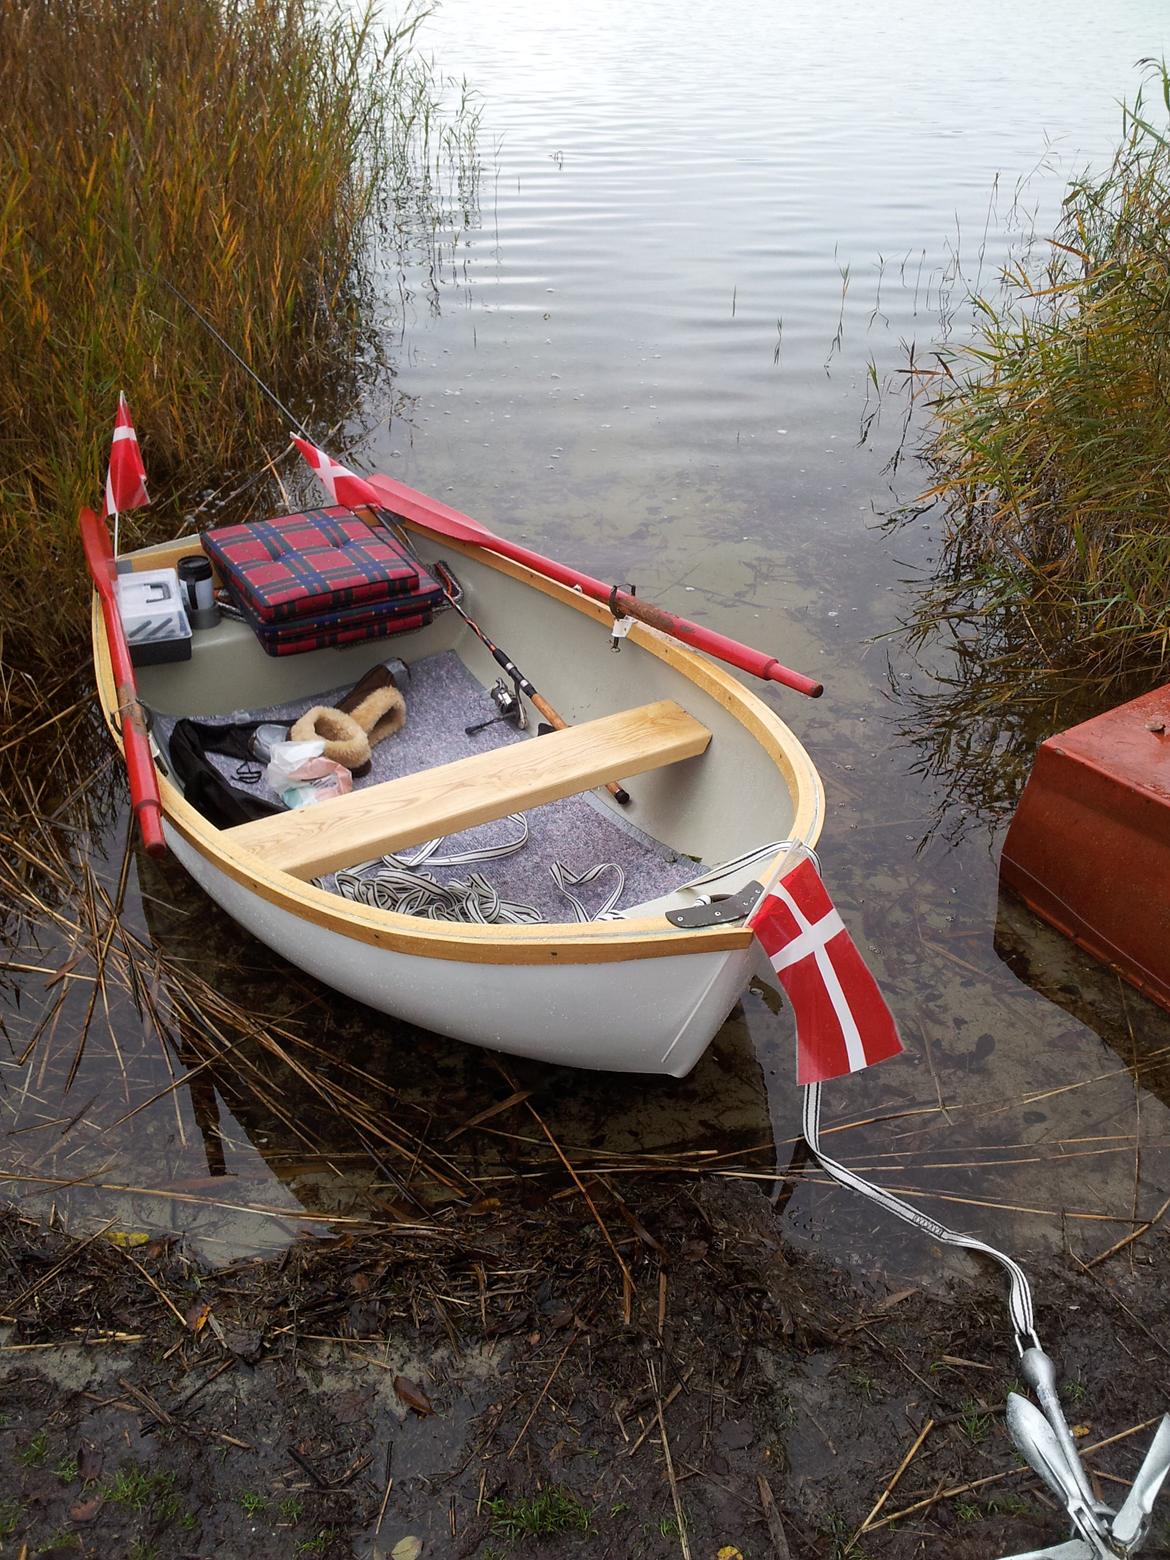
x=1051, y=444
x=244, y=152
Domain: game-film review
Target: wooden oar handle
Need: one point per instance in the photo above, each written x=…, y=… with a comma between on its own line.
x=766, y=667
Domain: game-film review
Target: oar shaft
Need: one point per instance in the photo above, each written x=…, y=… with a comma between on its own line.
x=140, y=770
x=766, y=667
x=445, y=521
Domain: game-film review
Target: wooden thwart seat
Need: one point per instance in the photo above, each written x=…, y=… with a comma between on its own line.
x=398, y=813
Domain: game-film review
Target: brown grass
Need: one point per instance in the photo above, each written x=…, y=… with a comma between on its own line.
x=238, y=150
x=1051, y=441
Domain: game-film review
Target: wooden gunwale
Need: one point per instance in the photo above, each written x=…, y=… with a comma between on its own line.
x=596, y=942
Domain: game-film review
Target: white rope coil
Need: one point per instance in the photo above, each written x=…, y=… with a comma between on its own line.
x=567, y=880
x=395, y=883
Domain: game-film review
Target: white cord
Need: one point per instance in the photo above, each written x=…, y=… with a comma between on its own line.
x=409, y=892
x=566, y=880
x=1020, y=1294
x=395, y=883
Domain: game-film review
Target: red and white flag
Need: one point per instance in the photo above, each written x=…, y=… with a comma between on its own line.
x=343, y=485
x=842, y=1021
x=126, y=478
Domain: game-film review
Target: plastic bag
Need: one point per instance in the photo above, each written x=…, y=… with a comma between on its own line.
x=300, y=773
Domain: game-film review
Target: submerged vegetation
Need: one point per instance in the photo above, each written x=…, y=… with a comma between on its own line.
x=1051, y=447
x=243, y=152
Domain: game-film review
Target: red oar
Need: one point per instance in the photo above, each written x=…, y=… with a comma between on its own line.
x=446, y=521
x=140, y=769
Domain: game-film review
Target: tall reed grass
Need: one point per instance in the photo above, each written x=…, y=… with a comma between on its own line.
x=1050, y=444
x=243, y=150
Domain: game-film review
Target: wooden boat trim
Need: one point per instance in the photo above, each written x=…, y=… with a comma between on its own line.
x=595, y=942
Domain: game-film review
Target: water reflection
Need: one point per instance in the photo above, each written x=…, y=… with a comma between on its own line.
x=1136, y=1029
x=971, y=726
x=591, y=365
x=227, y=1081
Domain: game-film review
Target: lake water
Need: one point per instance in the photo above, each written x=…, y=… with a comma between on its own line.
x=704, y=247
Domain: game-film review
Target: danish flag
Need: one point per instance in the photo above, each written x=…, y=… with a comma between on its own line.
x=343, y=485
x=842, y=1021
x=126, y=478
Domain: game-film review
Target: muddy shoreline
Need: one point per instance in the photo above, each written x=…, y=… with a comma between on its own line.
x=489, y=1383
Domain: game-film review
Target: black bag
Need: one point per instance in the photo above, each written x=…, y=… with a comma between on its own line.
x=204, y=787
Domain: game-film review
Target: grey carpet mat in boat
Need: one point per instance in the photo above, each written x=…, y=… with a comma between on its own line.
x=442, y=698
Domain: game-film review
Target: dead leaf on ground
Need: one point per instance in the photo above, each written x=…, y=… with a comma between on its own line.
x=407, y=1548
x=86, y=1510
x=413, y=1395
x=197, y=1316
x=484, y=1205
x=896, y=1298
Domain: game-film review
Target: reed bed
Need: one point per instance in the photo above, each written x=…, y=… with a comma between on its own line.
x=1050, y=445
x=247, y=153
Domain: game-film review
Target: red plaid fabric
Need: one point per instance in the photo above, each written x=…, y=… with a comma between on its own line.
x=347, y=626
x=282, y=642
x=300, y=566
x=427, y=596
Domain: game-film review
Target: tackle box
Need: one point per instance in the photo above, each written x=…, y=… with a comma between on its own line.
x=153, y=618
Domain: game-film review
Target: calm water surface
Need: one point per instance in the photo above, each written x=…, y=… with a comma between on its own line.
x=704, y=246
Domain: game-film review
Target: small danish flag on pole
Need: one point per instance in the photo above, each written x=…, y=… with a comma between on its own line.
x=126, y=478
x=842, y=1021
x=343, y=485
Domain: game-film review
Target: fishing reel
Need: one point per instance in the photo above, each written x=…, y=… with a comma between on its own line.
x=510, y=705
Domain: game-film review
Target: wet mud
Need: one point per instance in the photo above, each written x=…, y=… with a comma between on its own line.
x=516, y=1380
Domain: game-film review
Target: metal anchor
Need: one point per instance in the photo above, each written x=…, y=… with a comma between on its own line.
x=1047, y=1445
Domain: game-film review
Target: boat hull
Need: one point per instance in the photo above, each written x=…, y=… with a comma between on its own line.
x=632, y=1015
x=636, y=994
x=1089, y=846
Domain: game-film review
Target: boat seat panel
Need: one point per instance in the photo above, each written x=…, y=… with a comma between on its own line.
x=380, y=819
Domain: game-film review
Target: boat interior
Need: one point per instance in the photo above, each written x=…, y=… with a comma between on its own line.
x=465, y=814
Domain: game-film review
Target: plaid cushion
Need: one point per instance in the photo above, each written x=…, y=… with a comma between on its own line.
x=285, y=643
x=423, y=600
x=347, y=626
x=302, y=565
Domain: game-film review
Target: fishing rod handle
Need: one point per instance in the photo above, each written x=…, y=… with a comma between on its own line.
x=543, y=707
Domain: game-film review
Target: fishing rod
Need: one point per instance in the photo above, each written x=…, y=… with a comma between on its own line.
x=501, y=656
x=236, y=358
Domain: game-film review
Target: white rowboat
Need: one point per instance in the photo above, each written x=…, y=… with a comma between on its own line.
x=713, y=775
